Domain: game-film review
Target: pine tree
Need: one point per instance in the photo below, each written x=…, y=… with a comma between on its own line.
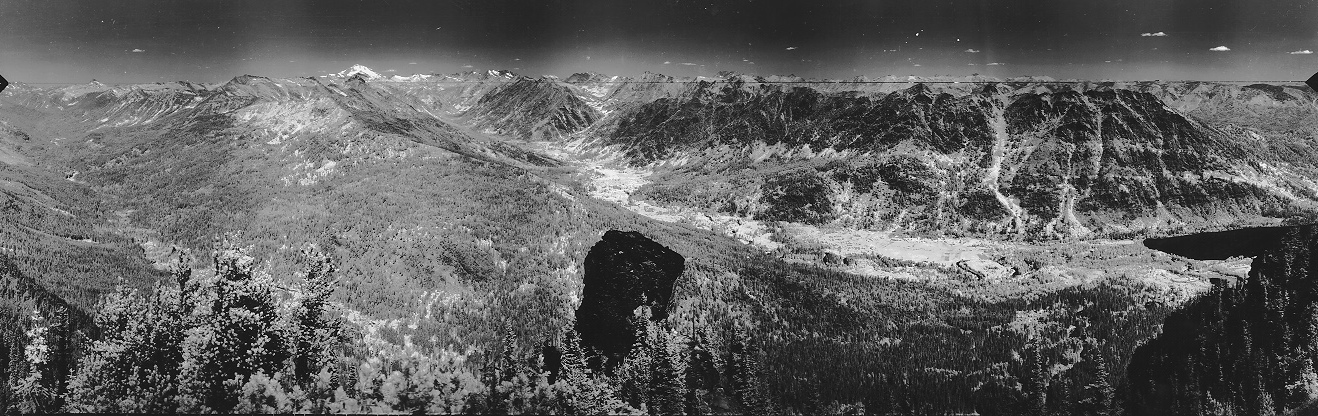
x=240, y=338
x=135, y=365
x=580, y=392
x=32, y=394
x=1038, y=382
x=315, y=332
x=634, y=373
x=666, y=390
x=530, y=392
x=1101, y=388
x=744, y=368
x=696, y=389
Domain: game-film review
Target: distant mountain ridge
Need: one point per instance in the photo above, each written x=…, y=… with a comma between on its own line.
x=1028, y=155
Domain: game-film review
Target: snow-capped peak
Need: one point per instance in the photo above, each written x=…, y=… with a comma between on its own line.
x=413, y=78
x=360, y=69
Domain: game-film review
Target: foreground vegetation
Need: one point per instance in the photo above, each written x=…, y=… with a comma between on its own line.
x=244, y=341
x=238, y=342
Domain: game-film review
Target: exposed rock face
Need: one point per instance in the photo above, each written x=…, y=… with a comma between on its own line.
x=1002, y=158
x=1241, y=349
x=623, y=271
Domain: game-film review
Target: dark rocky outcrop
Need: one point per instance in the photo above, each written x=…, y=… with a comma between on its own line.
x=624, y=270
x=1243, y=349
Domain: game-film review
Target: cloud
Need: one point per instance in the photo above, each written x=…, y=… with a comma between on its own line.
x=411, y=63
x=972, y=64
x=667, y=62
x=139, y=50
x=1153, y=34
x=1303, y=52
x=466, y=66
x=391, y=70
x=791, y=48
x=1220, y=49
x=972, y=50
x=688, y=64
x=918, y=65
x=994, y=63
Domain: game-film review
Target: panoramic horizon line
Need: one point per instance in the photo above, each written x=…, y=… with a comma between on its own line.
x=721, y=80
x=723, y=76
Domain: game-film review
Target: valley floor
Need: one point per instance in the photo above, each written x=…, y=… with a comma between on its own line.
x=1001, y=269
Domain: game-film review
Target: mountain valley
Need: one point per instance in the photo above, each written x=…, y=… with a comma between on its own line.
x=896, y=245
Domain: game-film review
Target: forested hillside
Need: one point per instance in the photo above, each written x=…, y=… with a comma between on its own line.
x=1247, y=348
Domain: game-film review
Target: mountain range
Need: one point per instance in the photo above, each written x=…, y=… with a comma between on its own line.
x=901, y=215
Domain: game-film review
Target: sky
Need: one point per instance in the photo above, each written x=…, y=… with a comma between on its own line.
x=138, y=41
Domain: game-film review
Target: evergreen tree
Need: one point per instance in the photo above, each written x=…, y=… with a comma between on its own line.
x=634, y=374
x=315, y=330
x=135, y=366
x=580, y=392
x=240, y=338
x=529, y=392
x=214, y=347
x=32, y=393
x=697, y=391
x=1103, y=392
x=744, y=368
x=1038, y=382
x=666, y=389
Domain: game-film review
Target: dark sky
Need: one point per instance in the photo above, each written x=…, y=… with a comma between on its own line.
x=207, y=41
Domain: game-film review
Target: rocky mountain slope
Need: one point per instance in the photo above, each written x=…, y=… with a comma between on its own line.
x=1040, y=160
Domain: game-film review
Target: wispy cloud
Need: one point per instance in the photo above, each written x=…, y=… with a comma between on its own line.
x=791, y=48
x=972, y=64
x=466, y=66
x=668, y=62
x=688, y=64
x=972, y=50
x=391, y=70
x=1302, y=52
x=995, y=63
x=1153, y=34
x=1220, y=49
x=139, y=50
x=918, y=65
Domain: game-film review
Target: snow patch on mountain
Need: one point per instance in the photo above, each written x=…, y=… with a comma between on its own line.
x=411, y=78
x=359, y=69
